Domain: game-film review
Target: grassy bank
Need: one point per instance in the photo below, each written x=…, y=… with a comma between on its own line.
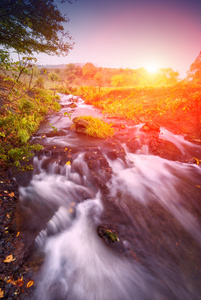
x=176, y=107
x=21, y=112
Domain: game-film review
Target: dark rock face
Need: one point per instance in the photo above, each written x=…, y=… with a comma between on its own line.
x=99, y=168
x=156, y=146
x=164, y=149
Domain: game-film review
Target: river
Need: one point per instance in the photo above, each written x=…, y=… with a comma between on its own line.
x=83, y=191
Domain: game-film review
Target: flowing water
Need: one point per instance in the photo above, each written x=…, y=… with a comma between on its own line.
x=80, y=187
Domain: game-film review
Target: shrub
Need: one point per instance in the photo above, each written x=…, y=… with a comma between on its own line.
x=40, y=82
x=54, y=77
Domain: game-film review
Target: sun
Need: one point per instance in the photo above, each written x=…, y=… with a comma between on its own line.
x=151, y=67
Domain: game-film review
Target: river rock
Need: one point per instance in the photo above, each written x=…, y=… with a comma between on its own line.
x=99, y=169
x=73, y=105
x=80, y=125
x=156, y=146
x=147, y=127
x=108, y=235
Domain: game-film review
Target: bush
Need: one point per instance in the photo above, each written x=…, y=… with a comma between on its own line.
x=54, y=77
x=40, y=82
x=19, y=121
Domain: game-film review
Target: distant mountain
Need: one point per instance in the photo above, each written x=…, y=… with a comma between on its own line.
x=58, y=66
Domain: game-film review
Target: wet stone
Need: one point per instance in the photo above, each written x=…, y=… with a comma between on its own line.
x=148, y=126
x=108, y=235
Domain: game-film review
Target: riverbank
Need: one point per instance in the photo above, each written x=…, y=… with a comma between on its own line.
x=177, y=107
x=15, y=277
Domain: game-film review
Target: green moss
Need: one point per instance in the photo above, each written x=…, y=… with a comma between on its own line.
x=96, y=127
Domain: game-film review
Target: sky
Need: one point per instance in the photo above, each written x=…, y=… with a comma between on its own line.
x=132, y=34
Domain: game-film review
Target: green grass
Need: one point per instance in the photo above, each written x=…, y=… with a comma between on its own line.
x=97, y=127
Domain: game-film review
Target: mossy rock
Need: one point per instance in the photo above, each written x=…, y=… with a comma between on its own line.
x=94, y=127
x=108, y=235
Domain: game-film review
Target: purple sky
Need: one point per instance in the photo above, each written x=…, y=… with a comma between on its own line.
x=133, y=33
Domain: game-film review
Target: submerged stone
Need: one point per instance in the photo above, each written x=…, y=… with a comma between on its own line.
x=108, y=235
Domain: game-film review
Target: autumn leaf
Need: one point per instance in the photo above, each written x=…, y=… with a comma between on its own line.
x=1, y=293
x=8, y=259
x=11, y=280
x=197, y=161
x=18, y=233
x=30, y=283
x=20, y=281
x=68, y=163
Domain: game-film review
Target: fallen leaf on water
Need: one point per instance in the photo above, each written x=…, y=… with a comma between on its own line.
x=30, y=283
x=1, y=293
x=8, y=259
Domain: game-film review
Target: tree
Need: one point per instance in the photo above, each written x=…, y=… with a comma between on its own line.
x=89, y=70
x=118, y=80
x=194, y=74
x=73, y=69
x=166, y=76
x=33, y=26
x=98, y=77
